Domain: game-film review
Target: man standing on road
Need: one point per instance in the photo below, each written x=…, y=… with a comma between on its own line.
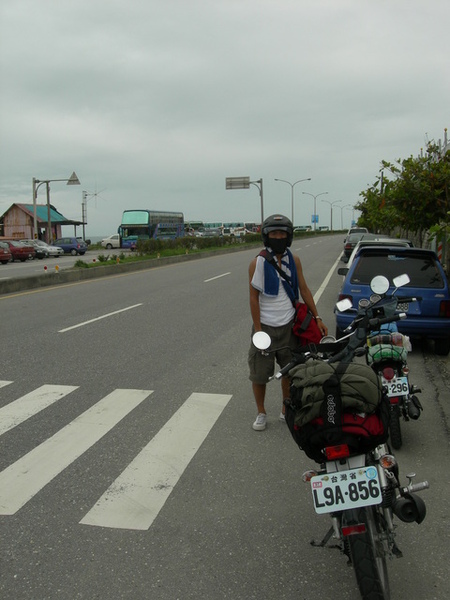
x=272, y=310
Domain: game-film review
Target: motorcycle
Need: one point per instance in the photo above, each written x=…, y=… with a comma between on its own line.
x=387, y=351
x=357, y=481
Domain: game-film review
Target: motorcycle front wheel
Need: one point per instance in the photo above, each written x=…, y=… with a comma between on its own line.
x=368, y=553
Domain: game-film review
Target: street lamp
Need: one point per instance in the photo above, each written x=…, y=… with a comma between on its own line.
x=292, y=194
x=331, y=216
x=315, y=197
x=73, y=180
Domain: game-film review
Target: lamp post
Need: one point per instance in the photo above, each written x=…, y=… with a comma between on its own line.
x=292, y=194
x=73, y=180
x=315, y=197
x=331, y=216
x=342, y=210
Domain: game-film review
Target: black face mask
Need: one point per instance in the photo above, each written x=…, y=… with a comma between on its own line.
x=278, y=245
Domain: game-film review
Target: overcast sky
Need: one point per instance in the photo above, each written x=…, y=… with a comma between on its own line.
x=153, y=103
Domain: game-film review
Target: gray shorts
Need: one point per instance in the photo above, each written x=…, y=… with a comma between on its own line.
x=262, y=366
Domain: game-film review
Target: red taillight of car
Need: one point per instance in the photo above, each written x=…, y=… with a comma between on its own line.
x=444, y=309
x=336, y=452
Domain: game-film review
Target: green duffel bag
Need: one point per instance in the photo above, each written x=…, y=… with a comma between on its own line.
x=381, y=352
x=360, y=388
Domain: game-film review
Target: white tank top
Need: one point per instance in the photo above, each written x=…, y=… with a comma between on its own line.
x=275, y=310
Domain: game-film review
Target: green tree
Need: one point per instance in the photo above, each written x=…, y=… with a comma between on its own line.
x=414, y=200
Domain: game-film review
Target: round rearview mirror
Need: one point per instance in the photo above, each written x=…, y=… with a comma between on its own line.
x=327, y=339
x=261, y=340
x=379, y=284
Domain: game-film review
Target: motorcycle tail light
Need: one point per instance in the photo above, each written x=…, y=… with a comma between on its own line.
x=388, y=373
x=308, y=475
x=444, y=309
x=393, y=400
x=335, y=452
x=388, y=461
x=353, y=529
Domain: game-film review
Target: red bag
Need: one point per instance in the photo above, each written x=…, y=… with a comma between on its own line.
x=305, y=326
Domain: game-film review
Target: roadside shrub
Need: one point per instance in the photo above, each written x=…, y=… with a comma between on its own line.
x=81, y=264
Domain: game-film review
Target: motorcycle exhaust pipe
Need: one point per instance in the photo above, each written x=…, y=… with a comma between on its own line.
x=410, y=507
x=414, y=408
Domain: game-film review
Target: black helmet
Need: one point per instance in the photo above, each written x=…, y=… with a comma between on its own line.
x=277, y=223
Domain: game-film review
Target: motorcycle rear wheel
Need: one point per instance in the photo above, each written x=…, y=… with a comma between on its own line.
x=368, y=553
x=395, y=432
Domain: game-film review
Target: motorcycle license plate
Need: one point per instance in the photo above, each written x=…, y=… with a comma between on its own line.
x=396, y=387
x=346, y=489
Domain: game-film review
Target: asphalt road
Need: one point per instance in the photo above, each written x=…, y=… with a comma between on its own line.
x=29, y=268
x=163, y=491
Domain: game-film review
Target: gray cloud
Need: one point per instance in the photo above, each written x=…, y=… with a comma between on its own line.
x=156, y=102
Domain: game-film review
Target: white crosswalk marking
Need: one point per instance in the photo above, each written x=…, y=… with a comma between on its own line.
x=3, y=383
x=134, y=500
x=22, y=480
x=22, y=409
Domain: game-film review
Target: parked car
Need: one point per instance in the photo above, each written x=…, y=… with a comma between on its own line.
x=113, y=241
x=350, y=243
x=71, y=245
x=375, y=242
x=41, y=252
x=20, y=251
x=52, y=251
x=356, y=230
x=212, y=232
x=428, y=316
x=5, y=253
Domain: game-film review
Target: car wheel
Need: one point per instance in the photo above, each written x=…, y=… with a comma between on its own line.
x=4, y=262
x=109, y=246
x=442, y=346
x=73, y=252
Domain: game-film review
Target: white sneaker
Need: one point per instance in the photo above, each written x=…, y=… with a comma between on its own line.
x=282, y=417
x=260, y=423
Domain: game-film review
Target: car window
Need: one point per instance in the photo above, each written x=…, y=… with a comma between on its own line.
x=422, y=269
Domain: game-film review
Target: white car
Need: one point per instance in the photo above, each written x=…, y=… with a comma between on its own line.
x=50, y=251
x=53, y=251
x=113, y=241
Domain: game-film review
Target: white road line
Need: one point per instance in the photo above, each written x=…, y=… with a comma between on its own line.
x=217, y=277
x=3, y=383
x=23, y=408
x=321, y=289
x=116, y=312
x=23, y=479
x=135, y=498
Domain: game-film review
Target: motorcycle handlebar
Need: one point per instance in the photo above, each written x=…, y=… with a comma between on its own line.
x=285, y=370
x=376, y=322
x=409, y=298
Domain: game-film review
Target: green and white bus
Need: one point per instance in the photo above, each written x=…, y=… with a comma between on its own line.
x=141, y=224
